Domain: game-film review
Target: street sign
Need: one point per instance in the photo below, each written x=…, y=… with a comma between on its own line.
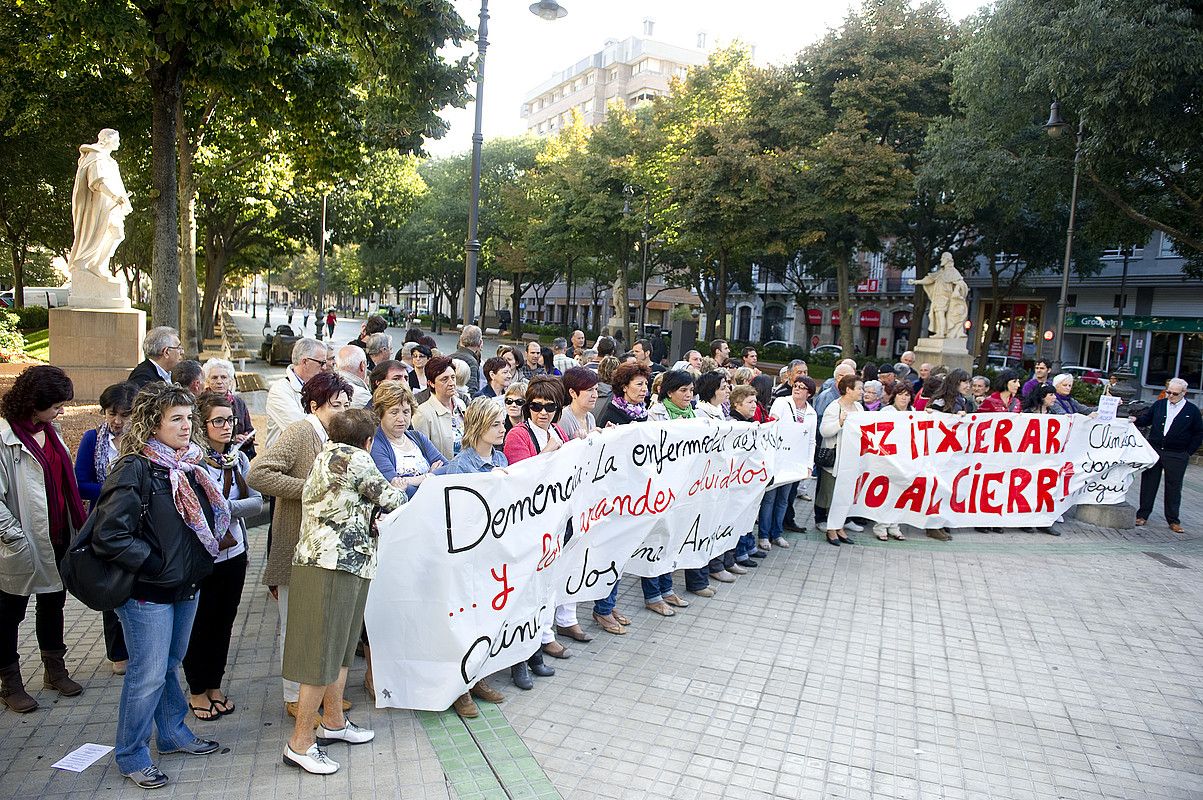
x=814, y=341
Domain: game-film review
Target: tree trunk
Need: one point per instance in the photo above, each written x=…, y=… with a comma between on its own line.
x=188, y=288
x=165, y=266
x=215, y=268
x=18, y=256
x=987, y=335
x=721, y=294
x=515, y=304
x=919, y=301
x=845, y=305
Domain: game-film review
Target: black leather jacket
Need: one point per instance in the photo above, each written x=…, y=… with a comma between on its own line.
x=158, y=547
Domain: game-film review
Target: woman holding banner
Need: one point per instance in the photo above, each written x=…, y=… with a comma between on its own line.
x=952, y=396
x=515, y=401
x=834, y=417
x=897, y=401
x=1065, y=402
x=628, y=384
x=674, y=401
x=1005, y=398
x=484, y=433
x=1041, y=399
x=581, y=385
x=403, y=456
x=539, y=434
x=776, y=501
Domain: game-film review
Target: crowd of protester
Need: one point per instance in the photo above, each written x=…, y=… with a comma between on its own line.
x=164, y=486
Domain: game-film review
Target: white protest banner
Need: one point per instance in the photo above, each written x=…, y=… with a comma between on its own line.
x=472, y=567
x=934, y=470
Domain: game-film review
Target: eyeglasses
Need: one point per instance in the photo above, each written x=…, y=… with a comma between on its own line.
x=515, y=401
x=320, y=362
x=1174, y=394
x=547, y=408
x=222, y=422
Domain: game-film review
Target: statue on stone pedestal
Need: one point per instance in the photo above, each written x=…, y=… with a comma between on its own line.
x=99, y=206
x=947, y=294
x=618, y=322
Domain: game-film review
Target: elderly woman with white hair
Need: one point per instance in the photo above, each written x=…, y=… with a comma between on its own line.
x=1065, y=402
x=218, y=375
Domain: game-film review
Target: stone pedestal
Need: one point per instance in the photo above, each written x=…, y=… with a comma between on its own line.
x=952, y=353
x=1121, y=516
x=96, y=347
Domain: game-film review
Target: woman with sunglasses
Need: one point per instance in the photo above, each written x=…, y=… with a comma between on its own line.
x=539, y=434
x=220, y=593
x=515, y=403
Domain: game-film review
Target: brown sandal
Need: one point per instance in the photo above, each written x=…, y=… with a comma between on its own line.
x=674, y=600
x=660, y=607
x=609, y=625
x=620, y=618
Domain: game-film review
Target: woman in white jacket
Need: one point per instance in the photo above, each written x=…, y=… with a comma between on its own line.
x=778, y=499
x=850, y=388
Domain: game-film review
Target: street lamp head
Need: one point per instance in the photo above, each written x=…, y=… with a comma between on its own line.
x=548, y=9
x=1055, y=125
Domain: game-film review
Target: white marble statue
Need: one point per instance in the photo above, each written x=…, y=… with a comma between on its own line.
x=947, y=304
x=99, y=206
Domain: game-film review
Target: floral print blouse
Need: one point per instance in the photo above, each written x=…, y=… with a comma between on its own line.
x=337, y=504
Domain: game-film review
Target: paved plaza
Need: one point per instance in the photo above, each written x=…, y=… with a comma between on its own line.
x=995, y=666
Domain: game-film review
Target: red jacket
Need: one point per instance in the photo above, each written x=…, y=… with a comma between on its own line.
x=520, y=442
x=994, y=404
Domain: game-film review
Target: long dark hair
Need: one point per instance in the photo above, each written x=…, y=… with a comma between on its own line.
x=951, y=390
x=36, y=389
x=1034, y=402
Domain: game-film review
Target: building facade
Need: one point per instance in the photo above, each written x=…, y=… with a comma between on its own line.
x=1155, y=328
x=630, y=71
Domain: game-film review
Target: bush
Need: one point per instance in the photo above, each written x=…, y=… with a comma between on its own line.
x=1087, y=394
x=32, y=318
x=12, y=342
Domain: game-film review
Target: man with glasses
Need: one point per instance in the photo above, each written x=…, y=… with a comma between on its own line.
x=1175, y=429
x=163, y=351
x=309, y=357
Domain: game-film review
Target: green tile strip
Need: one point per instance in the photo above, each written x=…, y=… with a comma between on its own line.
x=485, y=758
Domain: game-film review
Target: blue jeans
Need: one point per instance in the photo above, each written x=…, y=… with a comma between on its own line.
x=772, y=513
x=745, y=547
x=655, y=589
x=605, y=606
x=156, y=635
x=696, y=579
x=789, y=505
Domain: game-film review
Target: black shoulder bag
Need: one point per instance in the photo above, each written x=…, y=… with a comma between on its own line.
x=99, y=584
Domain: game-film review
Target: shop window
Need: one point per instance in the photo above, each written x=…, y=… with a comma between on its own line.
x=1163, y=358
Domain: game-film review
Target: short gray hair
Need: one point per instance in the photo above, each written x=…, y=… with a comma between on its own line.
x=471, y=336
x=378, y=343
x=308, y=347
x=462, y=372
x=159, y=339
x=559, y=343
x=214, y=364
x=981, y=378
x=874, y=386
x=796, y=363
x=1179, y=382
x=1062, y=378
x=350, y=357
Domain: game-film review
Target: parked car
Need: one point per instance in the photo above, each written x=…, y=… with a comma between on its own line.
x=277, y=347
x=999, y=362
x=829, y=349
x=777, y=343
x=1084, y=374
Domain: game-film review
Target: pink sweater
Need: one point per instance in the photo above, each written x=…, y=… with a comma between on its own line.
x=520, y=443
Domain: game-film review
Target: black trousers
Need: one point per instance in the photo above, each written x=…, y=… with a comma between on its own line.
x=209, y=646
x=114, y=637
x=48, y=622
x=1173, y=464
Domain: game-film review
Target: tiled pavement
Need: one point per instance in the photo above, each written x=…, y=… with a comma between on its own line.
x=995, y=666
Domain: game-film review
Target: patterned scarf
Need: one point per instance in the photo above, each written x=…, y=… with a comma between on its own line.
x=636, y=411
x=100, y=458
x=178, y=463
x=231, y=478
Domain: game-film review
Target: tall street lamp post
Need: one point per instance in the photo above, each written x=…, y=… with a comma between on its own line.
x=1123, y=302
x=545, y=9
x=1055, y=127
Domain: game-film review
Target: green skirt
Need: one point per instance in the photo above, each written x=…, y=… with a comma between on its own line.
x=325, y=617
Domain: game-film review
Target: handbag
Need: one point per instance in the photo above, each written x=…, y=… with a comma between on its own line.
x=99, y=584
x=825, y=457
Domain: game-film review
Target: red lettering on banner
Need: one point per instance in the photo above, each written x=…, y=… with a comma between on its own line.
x=913, y=495
x=1053, y=445
x=949, y=444
x=1067, y=472
x=550, y=552
x=1016, y=502
x=621, y=504
x=736, y=475
x=954, y=501
x=879, y=489
x=979, y=439
x=500, y=599
x=1030, y=443
x=988, y=505
x=1046, y=481
x=860, y=484
x=923, y=425
x=1002, y=428
x=874, y=439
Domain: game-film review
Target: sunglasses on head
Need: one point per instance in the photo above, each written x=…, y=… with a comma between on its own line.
x=515, y=401
x=550, y=408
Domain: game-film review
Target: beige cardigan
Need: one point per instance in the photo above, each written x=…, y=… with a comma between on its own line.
x=280, y=471
x=434, y=420
x=27, y=563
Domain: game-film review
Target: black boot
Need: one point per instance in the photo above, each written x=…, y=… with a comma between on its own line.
x=12, y=690
x=538, y=667
x=520, y=675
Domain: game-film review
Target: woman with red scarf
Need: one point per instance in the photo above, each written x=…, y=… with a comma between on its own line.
x=40, y=510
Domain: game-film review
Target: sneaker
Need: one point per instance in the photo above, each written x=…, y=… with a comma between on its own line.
x=855, y=527
x=736, y=569
x=197, y=747
x=349, y=733
x=779, y=542
x=313, y=760
x=149, y=778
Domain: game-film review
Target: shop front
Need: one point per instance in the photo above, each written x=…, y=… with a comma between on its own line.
x=1155, y=348
x=1017, y=332
x=902, y=332
x=870, y=328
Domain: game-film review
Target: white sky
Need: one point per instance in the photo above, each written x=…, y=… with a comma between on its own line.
x=525, y=50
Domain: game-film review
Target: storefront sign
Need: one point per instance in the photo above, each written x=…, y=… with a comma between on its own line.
x=835, y=317
x=868, y=286
x=870, y=318
x=1110, y=323
x=1018, y=327
x=814, y=316
x=902, y=319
